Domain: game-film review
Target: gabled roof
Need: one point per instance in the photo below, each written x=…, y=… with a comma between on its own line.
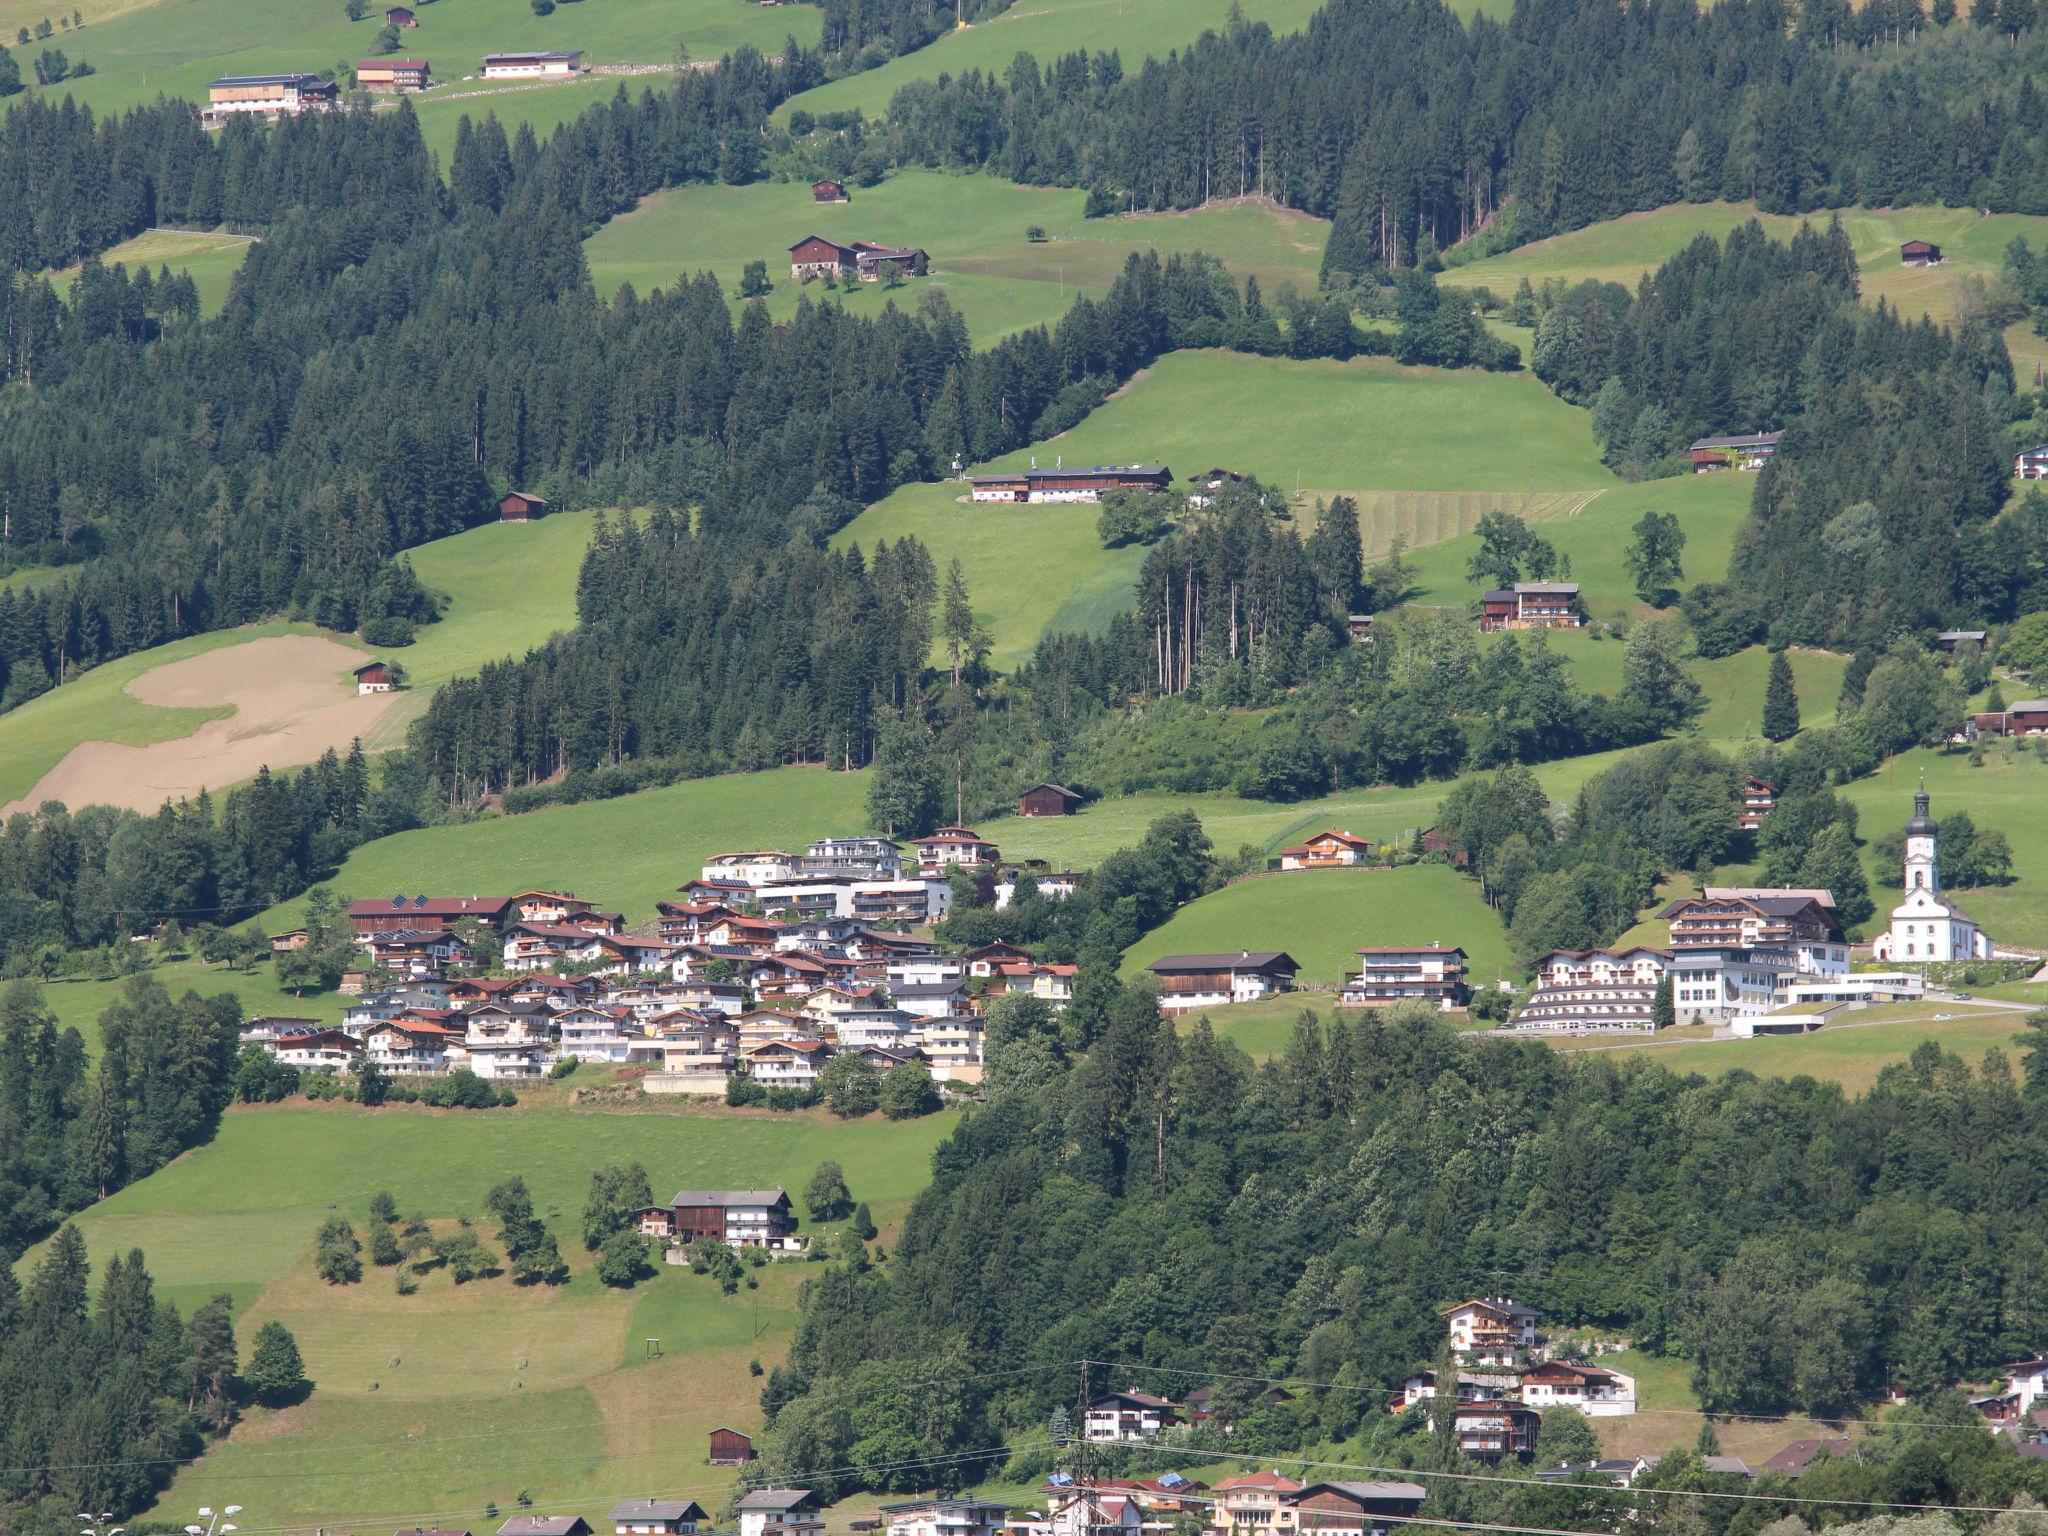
x=657, y=1509
x=1059, y=789
x=1142, y=1399
x=1243, y=960
x=1800, y=1454
x=729, y=1197
x=777, y=1499
x=1367, y=1493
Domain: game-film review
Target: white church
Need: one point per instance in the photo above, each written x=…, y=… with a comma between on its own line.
x=1927, y=927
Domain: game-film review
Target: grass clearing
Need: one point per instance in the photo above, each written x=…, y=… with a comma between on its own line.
x=1622, y=250
x=211, y=258
x=1321, y=916
x=1049, y=29
x=627, y=853
x=1331, y=427
x=973, y=227
x=442, y=1401
x=79, y=1004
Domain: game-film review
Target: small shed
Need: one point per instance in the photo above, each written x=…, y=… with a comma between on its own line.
x=731, y=1448
x=521, y=507
x=373, y=677
x=1048, y=800
x=829, y=191
x=1919, y=253
x=399, y=16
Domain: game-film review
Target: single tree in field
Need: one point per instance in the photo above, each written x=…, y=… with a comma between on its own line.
x=1653, y=557
x=1781, y=701
x=276, y=1375
x=617, y=1192
x=966, y=641
x=826, y=1197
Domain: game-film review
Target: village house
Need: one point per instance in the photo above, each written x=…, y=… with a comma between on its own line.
x=1354, y=1508
x=1326, y=850
x=1471, y=1386
x=373, y=677
x=1048, y=800
x=266, y=96
x=1745, y=450
x=1952, y=640
x=290, y=941
x=1059, y=484
x=562, y=907
x=2028, y=717
x=954, y=1047
x=1253, y=1504
x=1491, y=1329
x=739, y=1218
x=1795, y=1458
x=400, y=16
x=1099, y=1510
x=814, y=257
x=1495, y=1431
x=767, y=867
x=1592, y=1390
x=1927, y=927
x=1053, y=885
x=858, y=858
x=2031, y=464
x=1759, y=799
x=658, y=1517
x=1390, y=974
x=392, y=74
x=1359, y=627
x=1594, y=989
x=268, y=1027
x=403, y=913
x=411, y=1045
x=421, y=953
x=786, y=1063
x=1128, y=1418
x=730, y=1448
x=829, y=191
x=1789, y=933
x=1919, y=253
x=955, y=847
x=533, y=66
x=521, y=507
x=603, y=1035
x=946, y=1517
x=780, y=1512
x=317, y=1050
x=1532, y=605
x=1188, y=982
x=1205, y=487
x=545, y=1525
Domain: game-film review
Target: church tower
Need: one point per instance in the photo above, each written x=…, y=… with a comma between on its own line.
x=1923, y=871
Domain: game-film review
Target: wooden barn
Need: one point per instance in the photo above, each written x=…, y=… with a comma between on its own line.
x=829, y=191
x=399, y=16
x=1919, y=253
x=521, y=507
x=1048, y=800
x=730, y=1448
x=374, y=677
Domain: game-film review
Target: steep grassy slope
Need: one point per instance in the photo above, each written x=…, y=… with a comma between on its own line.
x=1331, y=428
x=430, y=1406
x=972, y=226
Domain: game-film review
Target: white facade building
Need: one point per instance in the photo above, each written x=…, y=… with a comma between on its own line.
x=1928, y=928
x=533, y=66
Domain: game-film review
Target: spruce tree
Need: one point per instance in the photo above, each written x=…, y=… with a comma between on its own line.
x=1663, y=1013
x=276, y=1375
x=1781, y=701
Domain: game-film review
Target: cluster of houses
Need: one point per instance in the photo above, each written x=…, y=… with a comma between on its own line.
x=271, y=97
x=767, y=966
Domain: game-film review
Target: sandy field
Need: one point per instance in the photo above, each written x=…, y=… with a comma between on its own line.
x=292, y=700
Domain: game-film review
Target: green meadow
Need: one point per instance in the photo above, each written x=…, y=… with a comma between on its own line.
x=1622, y=250
x=626, y=853
x=79, y=1004
x=1049, y=29
x=174, y=47
x=1321, y=916
x=428, y=1407
x=973, y=227
x=211, y=260
x=1327, y=428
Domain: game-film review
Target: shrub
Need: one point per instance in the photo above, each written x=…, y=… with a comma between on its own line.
x=393, y=629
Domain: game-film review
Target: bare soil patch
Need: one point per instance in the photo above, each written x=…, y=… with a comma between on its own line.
x=292, y=697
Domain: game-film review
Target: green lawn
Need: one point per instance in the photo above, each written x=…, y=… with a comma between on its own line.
x=211, y=259
x=437, y=1403
x=1322, y=916
x=1329, y=427
x=175, y=47
x=1595, y=538
x=1048, y=29
x=80, y=1003
x=625, y=854
x=1622, y=250
x=972, y=226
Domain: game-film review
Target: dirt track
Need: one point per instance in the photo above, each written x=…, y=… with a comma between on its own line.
x=292, y=700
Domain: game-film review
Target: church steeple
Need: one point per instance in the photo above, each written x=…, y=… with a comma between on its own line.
x=1923, y=869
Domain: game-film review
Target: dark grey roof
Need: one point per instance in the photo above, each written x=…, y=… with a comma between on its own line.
x=1075, y=472
x=968, y=1506
x=776, y=1498
x=544, y=1525
x=1371, y=1492
x=1547, y=588
x=1243, y=960
x=728, y=1197
x=1740, y=440
x=232, y=80
x=657, y=1509
x=927, y=989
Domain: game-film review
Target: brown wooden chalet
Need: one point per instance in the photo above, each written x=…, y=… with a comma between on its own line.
x=829, y=191
x=411, y=914
x=1357, y=1509
x=1532, y=605
x=1759, y=799
x=1919, y=253
x=731, y=1448
x=1048, y=800
x=521, y=507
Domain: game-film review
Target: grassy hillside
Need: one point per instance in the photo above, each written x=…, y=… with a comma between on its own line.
x=175, y=47
x=1595, y=538
x=1321, y=916
x=79, y=1004
x=212, y=260
x=430, y=1406
x=1621, y=250
x=1332, y=427
x=1047, y=29
x=972, y=226
x=626, y=853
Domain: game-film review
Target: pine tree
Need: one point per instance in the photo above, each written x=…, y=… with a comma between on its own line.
x=1781, y=701
x=276, y=1375
x=1663, y=1013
